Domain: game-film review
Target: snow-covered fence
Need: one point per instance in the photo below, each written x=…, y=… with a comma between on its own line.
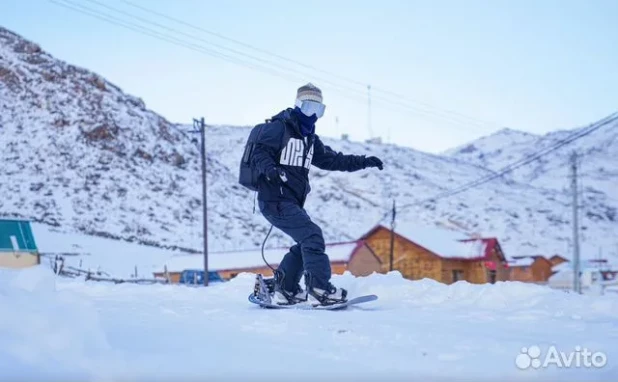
x=60, y=269
x=91, y=277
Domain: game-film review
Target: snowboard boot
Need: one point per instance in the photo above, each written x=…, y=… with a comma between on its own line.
x=325, y=296
x=281, y=296
x=329, y=296
x=284, y=297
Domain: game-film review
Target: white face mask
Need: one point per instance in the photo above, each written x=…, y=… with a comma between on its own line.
x=309, y=108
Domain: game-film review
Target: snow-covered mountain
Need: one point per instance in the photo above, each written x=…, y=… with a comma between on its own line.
x=81, y=154
x=597, y=153
x=597, y=167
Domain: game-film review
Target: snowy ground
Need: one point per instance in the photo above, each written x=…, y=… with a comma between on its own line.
x=52, y=329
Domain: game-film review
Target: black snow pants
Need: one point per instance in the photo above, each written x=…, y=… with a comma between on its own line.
x=308, y=254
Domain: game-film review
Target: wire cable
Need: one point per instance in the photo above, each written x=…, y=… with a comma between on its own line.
x=515, y=165
x=263, y=244
x=302, y=64
x=358, y=95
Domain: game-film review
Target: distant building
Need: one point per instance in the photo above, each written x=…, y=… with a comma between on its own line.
x=355, y=257
x=532, y=269
x=375, y=140
x=441, y=254
x=592, y=279
x=17, y=246
x=557, y=259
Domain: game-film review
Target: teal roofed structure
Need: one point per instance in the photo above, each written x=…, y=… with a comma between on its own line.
x=18, y=247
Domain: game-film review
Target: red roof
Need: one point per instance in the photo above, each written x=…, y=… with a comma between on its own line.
x=490, y=244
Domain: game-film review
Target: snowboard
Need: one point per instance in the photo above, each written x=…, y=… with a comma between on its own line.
x=262, y=290
x=309, y=306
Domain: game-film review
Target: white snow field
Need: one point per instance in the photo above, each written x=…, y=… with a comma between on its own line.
x=54, y=329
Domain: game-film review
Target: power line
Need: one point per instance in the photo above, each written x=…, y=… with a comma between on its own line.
x=196, y=47
x=219, y=46
x=160, y=36
x=302, y=64
x=522, y=162
x=447, y=118
x=515, y=165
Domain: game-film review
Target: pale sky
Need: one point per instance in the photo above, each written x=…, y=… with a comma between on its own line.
x=442, y=72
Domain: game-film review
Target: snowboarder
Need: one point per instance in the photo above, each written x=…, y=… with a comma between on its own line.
x=284, y=151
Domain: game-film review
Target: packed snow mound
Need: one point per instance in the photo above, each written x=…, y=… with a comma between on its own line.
x=46, y=333
x=83, y=156
x=416, y=329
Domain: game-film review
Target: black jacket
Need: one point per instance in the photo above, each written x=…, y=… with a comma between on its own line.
x=281, y=144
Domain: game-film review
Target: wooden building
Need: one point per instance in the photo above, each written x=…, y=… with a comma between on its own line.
x=557, y=259
x=355, y=257
x=532, y=269
x=440, y=254
x=17, y=246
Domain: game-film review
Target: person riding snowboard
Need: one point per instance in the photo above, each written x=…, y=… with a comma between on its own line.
x=284, y=151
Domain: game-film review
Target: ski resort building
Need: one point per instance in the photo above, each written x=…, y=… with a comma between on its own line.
x=355, y=257
x=557, y=259
x=17, y=246
x=440, y=254
x=532, y=269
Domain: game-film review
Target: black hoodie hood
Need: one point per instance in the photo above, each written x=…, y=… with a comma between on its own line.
x=287, y=116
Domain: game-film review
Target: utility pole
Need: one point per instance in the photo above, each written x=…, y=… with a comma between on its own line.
x=392, y=254
x=200, y=127
x=576, y=267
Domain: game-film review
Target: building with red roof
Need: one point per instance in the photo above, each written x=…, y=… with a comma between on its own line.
x=442, y=254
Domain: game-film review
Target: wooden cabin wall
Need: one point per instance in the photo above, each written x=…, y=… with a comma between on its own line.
x=502, y=272
x=456, y=270
x=520, y=273
x=541, y=270
x=412, y=261
x=364, y=263
x=538, y=271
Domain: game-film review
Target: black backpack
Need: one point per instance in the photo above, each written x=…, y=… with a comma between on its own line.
x=248, y=175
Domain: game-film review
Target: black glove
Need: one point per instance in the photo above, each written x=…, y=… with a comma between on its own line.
x=276, y=175
x=373, y=162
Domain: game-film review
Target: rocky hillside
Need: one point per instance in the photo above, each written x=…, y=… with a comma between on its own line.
x=82, y=155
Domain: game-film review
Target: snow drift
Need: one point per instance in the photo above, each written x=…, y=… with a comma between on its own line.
x=58, y=329
x=47, y=333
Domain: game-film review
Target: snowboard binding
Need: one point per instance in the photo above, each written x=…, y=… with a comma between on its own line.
x=267, y=290
x=264, y=290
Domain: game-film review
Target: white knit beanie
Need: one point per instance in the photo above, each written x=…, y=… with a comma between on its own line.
x=309, y=92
